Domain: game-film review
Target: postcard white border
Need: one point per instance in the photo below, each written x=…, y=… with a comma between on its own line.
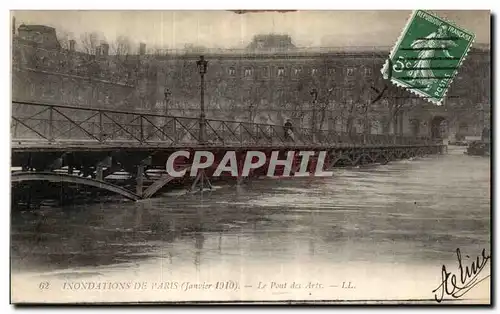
x=188, y=4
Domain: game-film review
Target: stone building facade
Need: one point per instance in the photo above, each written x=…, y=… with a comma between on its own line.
x=46, y=73
x=272, y=84
x=268, y=82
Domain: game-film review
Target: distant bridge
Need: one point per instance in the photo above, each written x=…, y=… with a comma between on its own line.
x=91, y=144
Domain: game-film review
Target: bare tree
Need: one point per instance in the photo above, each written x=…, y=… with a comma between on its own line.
x=64, y=37
x=390, y=108
x=90, y=42
x=324, y=102
x=352, y=109
x=302, y=89
x=257, y=95
x=121, y=47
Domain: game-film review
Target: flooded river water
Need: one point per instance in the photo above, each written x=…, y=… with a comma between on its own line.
x=377, y=232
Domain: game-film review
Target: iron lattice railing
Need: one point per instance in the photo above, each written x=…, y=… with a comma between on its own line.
x=33, y=122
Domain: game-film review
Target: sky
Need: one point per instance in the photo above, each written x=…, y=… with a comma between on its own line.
x=225, y=29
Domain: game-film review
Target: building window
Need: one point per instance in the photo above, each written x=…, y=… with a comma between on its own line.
x=62, y=65
x=232, y=71
x=32, y=89
x=265, y=72
x=248, y=72
x=314, y=71
x=297, y=72
x=463, y=127
x=249, y=92
x=350, y=72
x=280, y=95
x=368, y=71
x=281, y=71
x=331, y=71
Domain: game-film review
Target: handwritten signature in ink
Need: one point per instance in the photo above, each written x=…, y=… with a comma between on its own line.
x=457, y=285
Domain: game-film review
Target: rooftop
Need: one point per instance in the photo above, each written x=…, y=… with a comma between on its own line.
x=262, y=44
x=290, y=51
x=43, y=28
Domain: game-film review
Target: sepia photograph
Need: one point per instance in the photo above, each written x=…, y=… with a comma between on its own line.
x=250, y=157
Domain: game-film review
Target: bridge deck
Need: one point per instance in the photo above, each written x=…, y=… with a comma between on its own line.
x=78, y=146
x=48, y=127
x=95, y=143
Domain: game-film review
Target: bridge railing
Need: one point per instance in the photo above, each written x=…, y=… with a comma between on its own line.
x=33, y=122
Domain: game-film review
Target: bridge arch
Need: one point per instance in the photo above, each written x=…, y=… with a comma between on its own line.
x=59, y=177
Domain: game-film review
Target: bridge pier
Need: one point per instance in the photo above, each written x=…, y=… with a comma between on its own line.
x=99, y=170
x=56, y=163
x=105, y=163
x=139, y=179
x=201, y=181
x=240, y=164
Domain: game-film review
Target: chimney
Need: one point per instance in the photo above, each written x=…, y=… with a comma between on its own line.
x=72, y=44
x=142, y=48
x=105, y=49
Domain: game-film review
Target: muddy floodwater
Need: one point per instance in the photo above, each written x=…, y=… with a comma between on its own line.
x=375, y=232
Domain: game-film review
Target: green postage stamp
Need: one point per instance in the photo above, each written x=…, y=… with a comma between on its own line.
x=427, y=56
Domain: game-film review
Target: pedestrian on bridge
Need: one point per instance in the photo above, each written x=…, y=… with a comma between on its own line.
x=288, y=128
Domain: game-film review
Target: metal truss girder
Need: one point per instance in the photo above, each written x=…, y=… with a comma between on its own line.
x=57, y=178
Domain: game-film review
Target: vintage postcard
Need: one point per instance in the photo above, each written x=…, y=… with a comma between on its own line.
x=251, y=157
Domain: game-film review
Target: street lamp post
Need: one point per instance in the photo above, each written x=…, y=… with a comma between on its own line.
x=202, y=65
x=201, y=178
x=250, y=111
x=366, y=128
x=167, y=94
x=314, y=94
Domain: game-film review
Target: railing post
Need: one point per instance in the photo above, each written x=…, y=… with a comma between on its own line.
x=101, y=133
x=139, y=178
x=15, y=128
x=223, y=132
x=141, y=129
x=166, y=128
x=313, y=118
x=202, y=68
x=174, y=130
x=241, y=132
x=255, y=133
x=51, y=125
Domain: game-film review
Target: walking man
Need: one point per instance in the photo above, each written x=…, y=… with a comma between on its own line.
x=288, y=128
